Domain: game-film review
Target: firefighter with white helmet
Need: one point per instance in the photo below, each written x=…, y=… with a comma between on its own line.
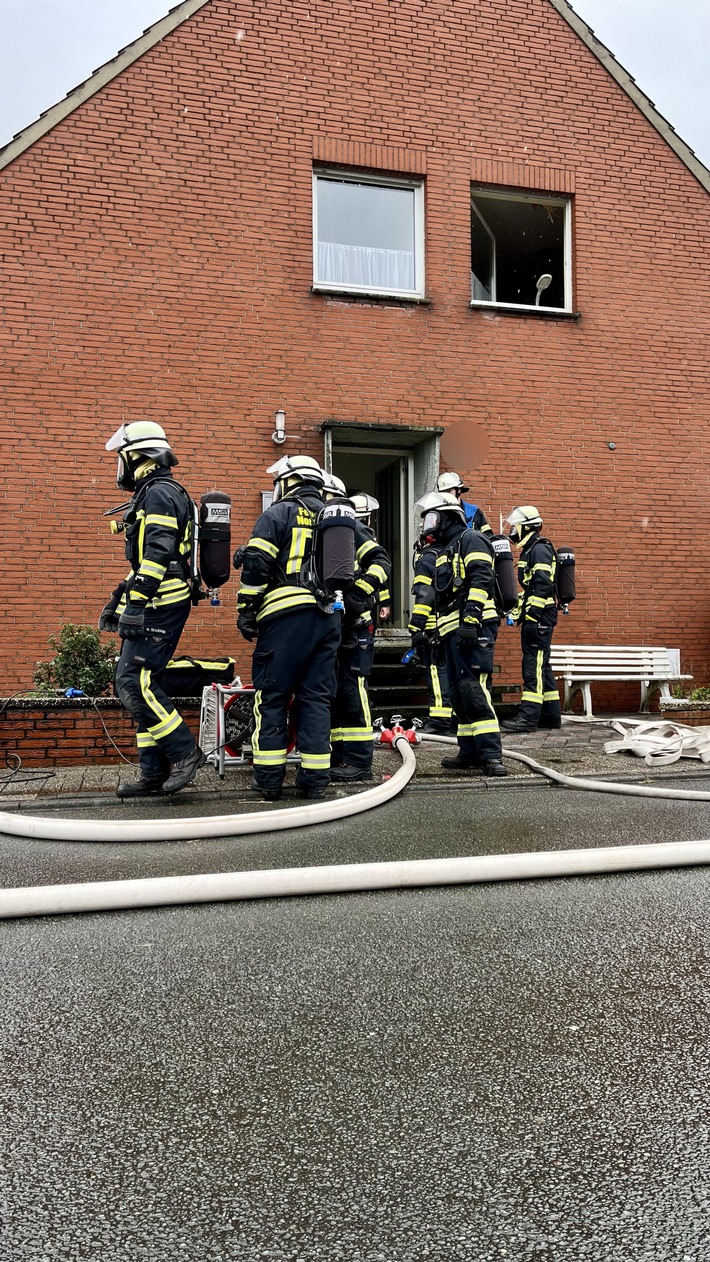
x=467, y=620
x=150, y=607
x=352, y=741
x=537, y=615
x=296, y=637
x=452, y=484
x=426, y=641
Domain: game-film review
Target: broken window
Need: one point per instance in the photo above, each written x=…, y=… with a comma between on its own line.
x=520, y=250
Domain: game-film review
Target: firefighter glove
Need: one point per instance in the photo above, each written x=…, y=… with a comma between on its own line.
x=246, y=624
x=108, y=618
x=468, y=633
x=132, y=622
x=419, y=639
x=355, y=604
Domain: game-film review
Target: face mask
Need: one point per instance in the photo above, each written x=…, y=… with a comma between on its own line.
x=125, y=480
x=431, y=525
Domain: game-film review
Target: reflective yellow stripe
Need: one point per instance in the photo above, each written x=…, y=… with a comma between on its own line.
x=448, y=622
x=172, y=585
x=248, y=589
x=477, y=556
x=151, y=568
x=299, y=541
x=364, y=702
x=551, y=696
x=484, y=685
x=421, y=611
x=171, y=598
x=149, y=697
x=265, y=546
x=160, y=730
x=364, y=586
x=144, y=740
x=478, y=593
x=264, y=757
x=364, y=548
x=478, y=729
x=351, y=734
x=270, y=757
x=421, y=578
x=315, y=762
x=435, y=685
x=285, y=598
x=157, y=519
x=379, y=572
x=256, y=712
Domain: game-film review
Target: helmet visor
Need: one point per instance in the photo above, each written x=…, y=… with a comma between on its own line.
x=117, y=440
x=431, y=523
x=515, y=518
x=279, y=468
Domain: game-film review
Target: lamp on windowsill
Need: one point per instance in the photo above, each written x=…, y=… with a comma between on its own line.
x=279, y=434
x=543, y=283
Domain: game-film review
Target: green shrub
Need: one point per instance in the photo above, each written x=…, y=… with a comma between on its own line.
x=80, y=661
x=700, y=694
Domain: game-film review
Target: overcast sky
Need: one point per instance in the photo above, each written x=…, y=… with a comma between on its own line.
x=48, y=46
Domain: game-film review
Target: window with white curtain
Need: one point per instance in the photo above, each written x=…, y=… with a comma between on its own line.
x=368, y=234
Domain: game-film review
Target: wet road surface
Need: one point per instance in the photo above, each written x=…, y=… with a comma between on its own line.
x=517, y=1071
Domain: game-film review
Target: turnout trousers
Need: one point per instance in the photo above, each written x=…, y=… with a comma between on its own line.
x=163, y=737
x=351, y=737
x=294, y=659
x=540, y=697
x=440, y=709
x=469, y=667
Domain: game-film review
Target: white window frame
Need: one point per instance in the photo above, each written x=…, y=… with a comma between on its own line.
x=540, y=198
x=381, y=181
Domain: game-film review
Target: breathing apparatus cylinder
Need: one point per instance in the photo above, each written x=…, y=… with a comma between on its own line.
x=334, y=547
x=215, y=540
x=505, y=573
x=565, y=580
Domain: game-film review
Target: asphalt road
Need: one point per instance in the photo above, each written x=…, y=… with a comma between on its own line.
x=517, y=1071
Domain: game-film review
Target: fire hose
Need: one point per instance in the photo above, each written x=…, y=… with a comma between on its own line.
x=333, y=878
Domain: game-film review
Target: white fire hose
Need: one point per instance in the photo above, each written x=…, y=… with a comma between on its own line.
x=330, y=879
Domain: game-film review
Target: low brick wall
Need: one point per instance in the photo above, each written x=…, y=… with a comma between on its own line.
x=63, y=733
x=689, y=713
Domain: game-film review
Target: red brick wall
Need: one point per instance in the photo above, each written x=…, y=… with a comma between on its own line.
x=158, y=263
x=73, y=735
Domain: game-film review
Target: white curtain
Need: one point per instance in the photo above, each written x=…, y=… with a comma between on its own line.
x=365, y=265
x=479, y=293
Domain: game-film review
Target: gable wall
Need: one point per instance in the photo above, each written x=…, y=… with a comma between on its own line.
x=158, y=263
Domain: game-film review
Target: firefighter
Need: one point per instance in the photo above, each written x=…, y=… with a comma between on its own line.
x=467, y=622
x=150, y=607
x=452, y=484
x=368, y=600
x=427, y=643
x=296, y=639
x=536, y=613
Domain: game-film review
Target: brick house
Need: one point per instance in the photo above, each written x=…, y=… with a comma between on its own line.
x=383, y=221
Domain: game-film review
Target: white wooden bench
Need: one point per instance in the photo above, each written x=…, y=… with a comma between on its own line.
x=580, y=665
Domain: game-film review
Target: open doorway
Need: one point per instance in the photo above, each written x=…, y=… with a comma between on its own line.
x=397, y=464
